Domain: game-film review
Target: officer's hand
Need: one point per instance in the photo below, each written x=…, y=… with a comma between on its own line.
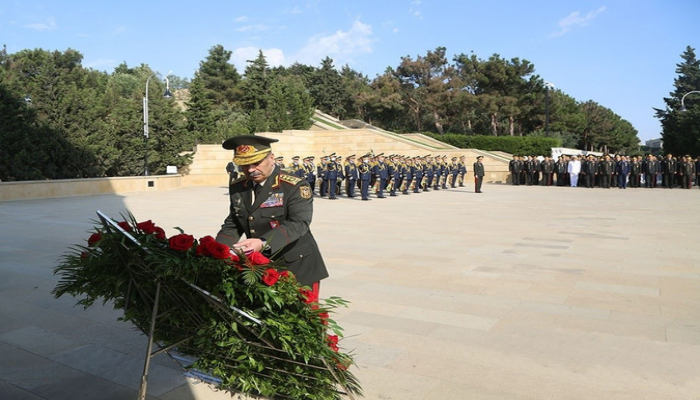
x=249, y=245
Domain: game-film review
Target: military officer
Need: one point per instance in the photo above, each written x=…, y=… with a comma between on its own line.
x=514, y=167
x=478, y=174
x=274, y=210
x=296, y=169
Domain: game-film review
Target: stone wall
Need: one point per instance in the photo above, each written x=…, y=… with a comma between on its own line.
x=209, y=162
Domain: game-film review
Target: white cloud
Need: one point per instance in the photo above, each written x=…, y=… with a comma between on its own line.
x=576, y=20
x=242, y=18
x=341, y=46
x=414, y=9
x=240, y=57
x=47, y=25
x=254, y=28
x=293, y=10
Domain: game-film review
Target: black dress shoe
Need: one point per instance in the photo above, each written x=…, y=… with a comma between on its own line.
x=366, y=199
x=381, y=197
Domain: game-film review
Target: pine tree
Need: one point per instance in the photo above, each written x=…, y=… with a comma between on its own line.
x=681, y=128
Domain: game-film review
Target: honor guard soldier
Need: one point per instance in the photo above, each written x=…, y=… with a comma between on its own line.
x=444, y=172
x=394, y=175
x=428, y=173
x=462, y=166
x=417, y=172
x=437, y=172
x=296, y=169
x=407, y=175
x=351, y=175
x=454, y=172
x=331, y=176
x=280, y=162
x=341, y=174
x=381, y=174
x=310, y=172
x=364, y=170
x=321, y=176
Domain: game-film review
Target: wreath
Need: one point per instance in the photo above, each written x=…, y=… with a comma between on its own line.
x=244, y=320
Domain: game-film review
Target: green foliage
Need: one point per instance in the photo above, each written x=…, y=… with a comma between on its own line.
x=681, y=129
x=526, y=145
x=280, y=348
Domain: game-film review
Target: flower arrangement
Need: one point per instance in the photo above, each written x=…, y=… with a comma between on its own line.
x=245, y=320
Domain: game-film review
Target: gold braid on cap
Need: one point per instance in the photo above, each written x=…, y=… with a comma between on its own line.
x=246, y=154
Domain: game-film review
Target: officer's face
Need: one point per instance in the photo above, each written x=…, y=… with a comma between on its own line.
x=261, y=170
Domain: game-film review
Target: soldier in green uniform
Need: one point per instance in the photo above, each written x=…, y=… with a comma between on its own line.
x=478, y=174
x=273, y=209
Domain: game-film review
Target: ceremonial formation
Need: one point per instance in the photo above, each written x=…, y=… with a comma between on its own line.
x=606, y=171
x=380, y=175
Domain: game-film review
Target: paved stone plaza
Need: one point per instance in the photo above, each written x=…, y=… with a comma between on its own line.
x=517, y=293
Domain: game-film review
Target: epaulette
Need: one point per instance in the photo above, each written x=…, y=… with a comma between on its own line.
x=290, y=179
x=239, y=180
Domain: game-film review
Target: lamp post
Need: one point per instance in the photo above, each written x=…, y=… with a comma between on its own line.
x=166, y=95
x=684, y=96
x=547, y=86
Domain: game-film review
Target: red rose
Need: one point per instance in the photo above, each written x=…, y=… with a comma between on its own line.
x=324, y=317
x=333, y=342
x=147, y=227
x=307, y=295
x=218, y=250
x=257, y=258
x=125, y=225
x=94, y=238
x=271, y=276
x=159, y=232
x=181, y=242
x=202, y=249
x=285, y=274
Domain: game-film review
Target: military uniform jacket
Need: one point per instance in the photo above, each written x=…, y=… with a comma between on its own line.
x=478, y=169
x=365, y=171
x=281, y=216
x=351, y=172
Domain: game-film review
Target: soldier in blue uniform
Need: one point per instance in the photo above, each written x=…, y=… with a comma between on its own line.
x=407, y=172
x=462, y=166
x=394, y=175
x=417, y=172
x=310, y=172
x=332, y=172
x=365, y=173
x=321, y=175
x=381, y=174
x=351, y=175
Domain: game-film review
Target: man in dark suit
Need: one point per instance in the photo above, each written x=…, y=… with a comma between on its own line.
x=622, y=171
x=273, y=209
x=515, y=167
x=478, y=174
x=668, y=169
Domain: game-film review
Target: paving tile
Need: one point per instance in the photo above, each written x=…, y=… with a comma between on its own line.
x=525, y=292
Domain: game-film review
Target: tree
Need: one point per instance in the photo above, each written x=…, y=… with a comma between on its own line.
x=681, y=129
x=326, y=87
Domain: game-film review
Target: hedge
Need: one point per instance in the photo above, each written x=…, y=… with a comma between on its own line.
x=520, y=145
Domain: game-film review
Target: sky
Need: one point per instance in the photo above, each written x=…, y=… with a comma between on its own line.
x=621, y=54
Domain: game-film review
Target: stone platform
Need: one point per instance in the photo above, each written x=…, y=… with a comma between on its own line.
x=516, y=293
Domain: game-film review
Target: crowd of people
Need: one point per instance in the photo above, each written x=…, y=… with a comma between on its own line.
x=380, y=175
x=606, y=171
